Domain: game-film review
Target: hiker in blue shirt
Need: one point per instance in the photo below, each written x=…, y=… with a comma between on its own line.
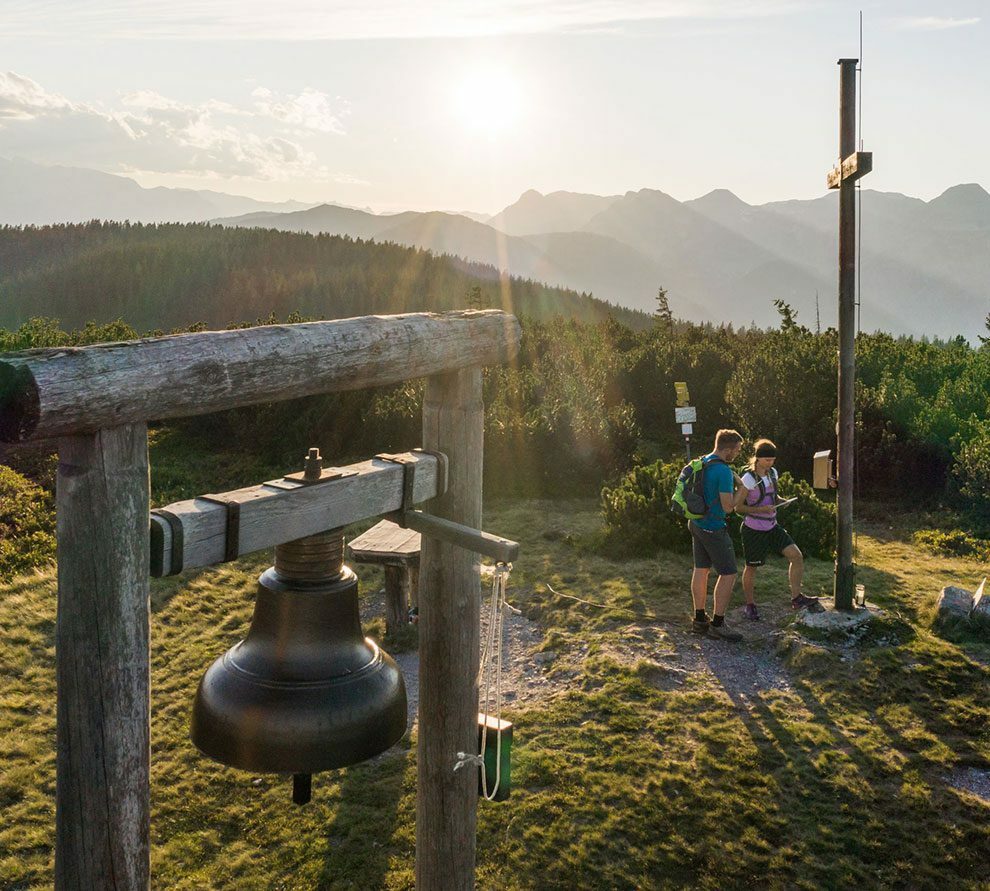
x=710, y=540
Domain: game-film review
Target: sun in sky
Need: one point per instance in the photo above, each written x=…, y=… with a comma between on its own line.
x=488, y=99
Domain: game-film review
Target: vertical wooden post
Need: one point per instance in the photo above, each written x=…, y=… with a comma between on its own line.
x=102, y=661
x=844, y=579
x=396, y=598
x=449, y=642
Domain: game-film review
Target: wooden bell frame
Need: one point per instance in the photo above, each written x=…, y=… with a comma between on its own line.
x=97, y=401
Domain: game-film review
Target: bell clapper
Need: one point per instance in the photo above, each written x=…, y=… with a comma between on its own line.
x=302, y=787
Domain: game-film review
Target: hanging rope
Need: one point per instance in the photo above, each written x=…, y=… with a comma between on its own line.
x=489, y=675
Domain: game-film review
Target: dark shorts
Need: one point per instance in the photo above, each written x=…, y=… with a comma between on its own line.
x=713, y=549
x=757, y=545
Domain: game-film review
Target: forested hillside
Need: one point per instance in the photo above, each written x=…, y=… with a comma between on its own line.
x=160, y=277
x=584, y=403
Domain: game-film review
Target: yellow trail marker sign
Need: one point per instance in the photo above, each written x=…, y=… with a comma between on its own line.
x=680, y=388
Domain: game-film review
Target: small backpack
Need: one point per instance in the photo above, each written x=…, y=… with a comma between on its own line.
x=688, y=500
x=763, y=486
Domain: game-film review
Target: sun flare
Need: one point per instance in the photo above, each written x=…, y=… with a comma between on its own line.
x=488, y=99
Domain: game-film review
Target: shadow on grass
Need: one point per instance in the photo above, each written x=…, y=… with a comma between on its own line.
x=362, y=839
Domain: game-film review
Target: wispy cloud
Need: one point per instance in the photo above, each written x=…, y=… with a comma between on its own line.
x=934, y=23
x=22, y=99
x=350, y=19
x=311, y=109
x=150, y=132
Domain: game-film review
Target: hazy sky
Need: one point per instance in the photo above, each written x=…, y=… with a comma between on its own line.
x=462, y=105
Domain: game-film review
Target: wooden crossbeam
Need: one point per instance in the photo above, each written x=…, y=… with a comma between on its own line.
x=279, y=511
x=854, y=166
x=81, y=389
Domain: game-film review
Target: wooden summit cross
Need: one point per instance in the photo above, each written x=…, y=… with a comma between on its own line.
x=852, y=166
x=97, y=401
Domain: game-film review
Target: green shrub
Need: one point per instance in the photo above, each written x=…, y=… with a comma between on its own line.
x=27, y=525
x=637, y=517
x=971, y=472
x=636, y=511
x=953, y=543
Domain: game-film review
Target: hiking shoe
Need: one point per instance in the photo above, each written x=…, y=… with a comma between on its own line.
x=751, y=613
x=699, y=626
x=724, y=632
x=811, y=604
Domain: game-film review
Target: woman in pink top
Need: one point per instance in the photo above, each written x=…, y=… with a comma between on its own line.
x=761, y=535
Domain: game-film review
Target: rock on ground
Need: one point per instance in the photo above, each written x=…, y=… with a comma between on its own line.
x=972, y=780
x=954, y=603
x=836, y=620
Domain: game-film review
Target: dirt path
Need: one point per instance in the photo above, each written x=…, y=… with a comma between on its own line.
x=670, y=654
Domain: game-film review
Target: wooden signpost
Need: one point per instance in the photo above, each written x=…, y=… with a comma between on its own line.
x=852, y=166
x=685, y=414
x=98, y=400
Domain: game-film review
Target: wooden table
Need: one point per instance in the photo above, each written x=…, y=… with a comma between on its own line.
x=397, y=551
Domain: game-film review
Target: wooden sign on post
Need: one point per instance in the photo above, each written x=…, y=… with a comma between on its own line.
x=684, y=414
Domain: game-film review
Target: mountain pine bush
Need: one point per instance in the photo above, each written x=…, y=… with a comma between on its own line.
x=27, y=525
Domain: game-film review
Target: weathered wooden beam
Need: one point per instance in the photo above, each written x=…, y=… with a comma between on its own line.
x=449, y=643
x=102, y=662
x=75, y=390
x=474, y=540
x=279, y=511
x=852, y=168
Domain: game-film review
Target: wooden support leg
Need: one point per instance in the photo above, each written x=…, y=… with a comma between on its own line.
x=449, y=641
x=396, y=599
x=414, y=586
x=102, y=658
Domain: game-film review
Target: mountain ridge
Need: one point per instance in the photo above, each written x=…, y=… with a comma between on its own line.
x=36, y=194
x=719, y=258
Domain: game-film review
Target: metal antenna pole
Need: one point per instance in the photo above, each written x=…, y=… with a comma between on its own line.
x=844, y=572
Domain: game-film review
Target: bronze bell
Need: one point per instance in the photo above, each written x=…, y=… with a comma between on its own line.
x=304, y=691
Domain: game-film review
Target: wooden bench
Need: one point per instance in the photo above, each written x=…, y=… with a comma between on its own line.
x=397, y=551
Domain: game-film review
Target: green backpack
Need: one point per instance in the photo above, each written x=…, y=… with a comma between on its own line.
x=688, y=500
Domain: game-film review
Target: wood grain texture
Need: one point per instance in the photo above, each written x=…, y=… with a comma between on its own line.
x=102, y=661
x=386, y=542
x=855, y=167
x=397, y=550
x=396, y=598
x=62, y=391
x=271, y=514
x=449, y=643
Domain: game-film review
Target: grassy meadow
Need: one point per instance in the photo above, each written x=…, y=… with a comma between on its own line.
x=656, y=759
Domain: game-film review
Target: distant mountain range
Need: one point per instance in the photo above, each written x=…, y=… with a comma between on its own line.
x=36, y=194
x=720, y=259
x=925, y=266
